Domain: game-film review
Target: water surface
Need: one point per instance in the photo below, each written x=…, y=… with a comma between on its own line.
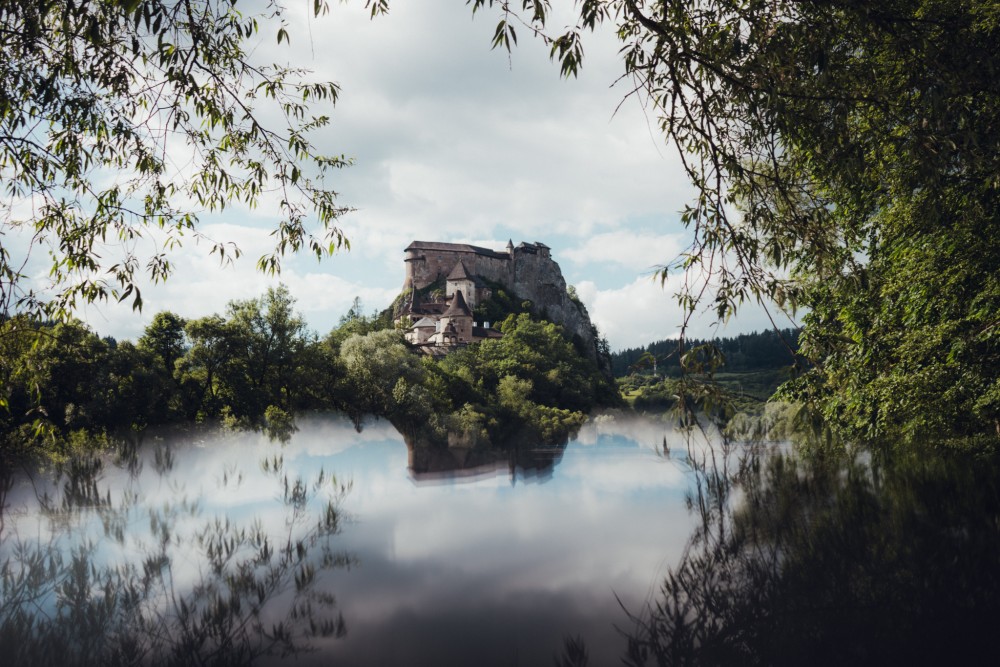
x=441, y=556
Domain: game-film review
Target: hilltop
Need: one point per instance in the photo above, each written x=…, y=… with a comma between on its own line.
x=452, y=293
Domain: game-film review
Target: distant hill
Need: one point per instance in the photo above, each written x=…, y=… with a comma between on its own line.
x=759, y=351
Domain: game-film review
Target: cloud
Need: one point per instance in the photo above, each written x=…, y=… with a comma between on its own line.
x=633, y=315
x=447, y=133
x=641, y=250
x=453, y=141
x=202, y=286
x=643, y=312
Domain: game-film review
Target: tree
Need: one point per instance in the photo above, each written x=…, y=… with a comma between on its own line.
x=355, y=322
x=538, y=352
x=94, y=96
x=267, y=339
x=164, y=338
x=263, y=355
x=198, y=371
x=376, y=363
x=844, y=156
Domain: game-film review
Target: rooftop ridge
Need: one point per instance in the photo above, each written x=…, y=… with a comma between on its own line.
x=457, y=247
x=460, y=272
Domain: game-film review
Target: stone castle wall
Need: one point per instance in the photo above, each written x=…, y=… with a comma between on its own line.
x=531, y=274
x=426, y=265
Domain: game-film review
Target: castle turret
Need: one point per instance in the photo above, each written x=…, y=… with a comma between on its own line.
x=461, y=281
x=459, y=317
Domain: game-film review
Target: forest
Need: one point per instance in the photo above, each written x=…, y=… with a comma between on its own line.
x=841, y=161
x=259, y=365
x=764, y=350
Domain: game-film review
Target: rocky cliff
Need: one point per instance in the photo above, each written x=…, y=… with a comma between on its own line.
x=526, y=270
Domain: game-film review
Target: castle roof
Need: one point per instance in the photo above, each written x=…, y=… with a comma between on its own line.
x=424, y=322
x=532, y=247
x=457, y=247
x=459, y=272
x=458, y=307
x=462, y=273
x=486, y=332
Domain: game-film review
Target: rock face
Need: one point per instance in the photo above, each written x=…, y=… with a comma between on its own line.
x=527, y=270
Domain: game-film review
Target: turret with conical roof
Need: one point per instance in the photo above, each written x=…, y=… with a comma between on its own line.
x=458, y=316
x=458, y=307
x=461, y=280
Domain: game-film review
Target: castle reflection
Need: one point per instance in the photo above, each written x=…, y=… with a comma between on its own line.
x=160, y=554
x=432, y=463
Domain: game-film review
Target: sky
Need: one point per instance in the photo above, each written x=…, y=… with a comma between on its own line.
x=455, y=142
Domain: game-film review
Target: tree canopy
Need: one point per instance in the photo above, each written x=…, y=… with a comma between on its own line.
x=120, y=120
x=845, y=157
x=844, y=154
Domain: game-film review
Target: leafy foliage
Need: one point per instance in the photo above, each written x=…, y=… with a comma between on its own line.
x=831, y=560
x=120, y=119
x=501, y=304
x=532, y=384
x=844, y=156
x=259, y=365
x=62, y=378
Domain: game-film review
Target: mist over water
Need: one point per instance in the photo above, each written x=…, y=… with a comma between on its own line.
x=432, y=557
x=632, y=543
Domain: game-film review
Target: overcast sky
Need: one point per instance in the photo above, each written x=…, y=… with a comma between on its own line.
x=454, y=142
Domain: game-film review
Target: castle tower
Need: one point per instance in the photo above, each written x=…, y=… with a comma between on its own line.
x=458, y=318
x=461, y=281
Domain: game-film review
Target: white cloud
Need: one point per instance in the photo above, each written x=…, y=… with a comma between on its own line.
x=641, y=250
x=633, y=315
x=454, y=142
x=202, y=286
x=645, y=311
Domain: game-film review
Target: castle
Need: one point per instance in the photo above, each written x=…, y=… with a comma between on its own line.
x=438, y=325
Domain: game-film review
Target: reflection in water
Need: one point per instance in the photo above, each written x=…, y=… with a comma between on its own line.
x=874, y=560
x=214, y=548
x=103, y=564
x=434, y=463
x=220, y=549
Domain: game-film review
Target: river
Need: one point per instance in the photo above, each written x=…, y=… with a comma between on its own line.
x=631, y=543
x=432, y=558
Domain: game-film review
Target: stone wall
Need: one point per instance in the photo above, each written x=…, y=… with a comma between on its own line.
x=424, y=265
x=531, y=274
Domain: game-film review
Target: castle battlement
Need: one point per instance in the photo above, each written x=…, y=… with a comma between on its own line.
x=526, y=270
x=430, y=261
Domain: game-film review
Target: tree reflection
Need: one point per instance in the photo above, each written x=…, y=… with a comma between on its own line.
x=105, y=577
x=863, y=560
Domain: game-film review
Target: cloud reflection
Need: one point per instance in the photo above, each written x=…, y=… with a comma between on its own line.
x=486, y=569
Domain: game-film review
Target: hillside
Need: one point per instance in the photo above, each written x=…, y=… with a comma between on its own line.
x=764, y=350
